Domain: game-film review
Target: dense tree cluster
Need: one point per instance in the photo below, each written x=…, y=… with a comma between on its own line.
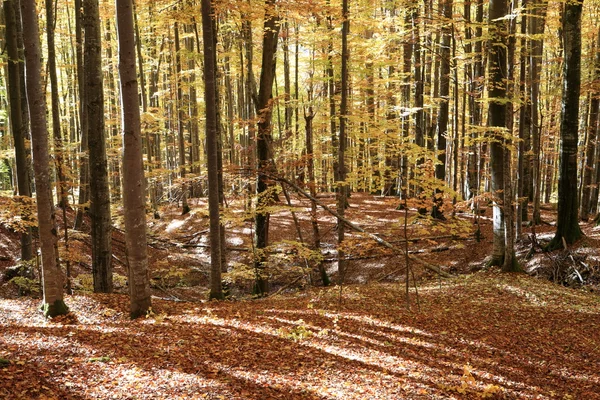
x=440, y=101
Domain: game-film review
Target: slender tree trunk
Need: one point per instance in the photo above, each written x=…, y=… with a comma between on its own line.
x=331, y=98
x=52, y=276
x=341, y=184
x=263, y=140
x=510, y=260
x=524, y=146
x=180, y=122
x=84, y=172
x=592, y=129
x=16, y=119
x=133, y=181
x=58, y=148
x=567, y=225
x=497, y=119
x=537, y=25
x=444, y=94
x=211, y=151
x=99, y=188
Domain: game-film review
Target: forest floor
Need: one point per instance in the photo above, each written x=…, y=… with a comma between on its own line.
x=480, y=334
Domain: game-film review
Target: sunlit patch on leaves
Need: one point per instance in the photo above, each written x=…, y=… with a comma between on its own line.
x=297, y=332
x=468, y=386
x=103, y=359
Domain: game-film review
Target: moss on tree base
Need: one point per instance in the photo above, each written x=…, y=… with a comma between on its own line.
x=57, y=308
x=514, y=266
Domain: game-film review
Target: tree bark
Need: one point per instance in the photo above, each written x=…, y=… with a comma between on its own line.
x=99, y=188
x=16, y=119
x=567, y=225
x=133, y=181
x=52, y=277
x=342, y=186
x=56, y=128
x=263, y=139
x=592, y=128
x=84, y=172
x=211, y=151
x=443, y=111
x=497, y=119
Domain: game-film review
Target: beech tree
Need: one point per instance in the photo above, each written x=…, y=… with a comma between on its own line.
x=497, y=118
x=99, y=189
x=567, y=225
x=17, y=124
x=212, y=149
x=52, y=277
x=133, y=181
x=264, y=111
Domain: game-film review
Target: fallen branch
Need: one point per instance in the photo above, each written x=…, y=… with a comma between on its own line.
x=359, y=229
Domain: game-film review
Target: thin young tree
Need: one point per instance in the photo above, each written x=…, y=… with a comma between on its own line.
x=592, y=129
x=442, y=116
x=341, y=153
x=133, y=181
x=211, y=151
x=56, y=128
x=99, y=189
x=52, y=278
x=567, y=224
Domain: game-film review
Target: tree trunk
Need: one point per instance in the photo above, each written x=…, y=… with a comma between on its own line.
x=180, y=122
x=133, y=181
x=16, y=120
x=567, y=225
x=537, y=26
x=263, y=139
x=99, y=189
x=211, y=151
x=524, y=147
x=497, y=119
x=58, y=148
x=592, y=129
x=84, y=172
x=342, y=187
x=52, y=277
x=444, y=94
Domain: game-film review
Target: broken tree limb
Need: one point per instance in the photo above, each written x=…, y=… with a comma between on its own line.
x=361, y=230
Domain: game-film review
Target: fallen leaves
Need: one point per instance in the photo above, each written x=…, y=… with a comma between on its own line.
x=488, y=336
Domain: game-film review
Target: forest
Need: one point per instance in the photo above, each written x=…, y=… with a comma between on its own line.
x=313, y=199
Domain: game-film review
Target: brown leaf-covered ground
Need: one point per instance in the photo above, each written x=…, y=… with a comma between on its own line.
x=486, y=334
x=482, y=334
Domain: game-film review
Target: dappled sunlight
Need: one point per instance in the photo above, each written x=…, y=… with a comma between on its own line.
x=174, y=225
x=489, y=334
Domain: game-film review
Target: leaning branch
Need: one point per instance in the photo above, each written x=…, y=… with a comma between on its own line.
x=359, y=229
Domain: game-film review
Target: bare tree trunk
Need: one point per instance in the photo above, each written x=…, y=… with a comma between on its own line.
x=211, y=151
x=263, y=142
x=444, y=94
x=52, y=276
x=537, y=25
x=592, y=129
x=180, y=122
x=341, y=167
x=524, y=167
x=133, y=181
x=567, y=225
x=84, y=172
x=99, y=189
x=497, y=119
x=58, y=148
x=16, y=119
